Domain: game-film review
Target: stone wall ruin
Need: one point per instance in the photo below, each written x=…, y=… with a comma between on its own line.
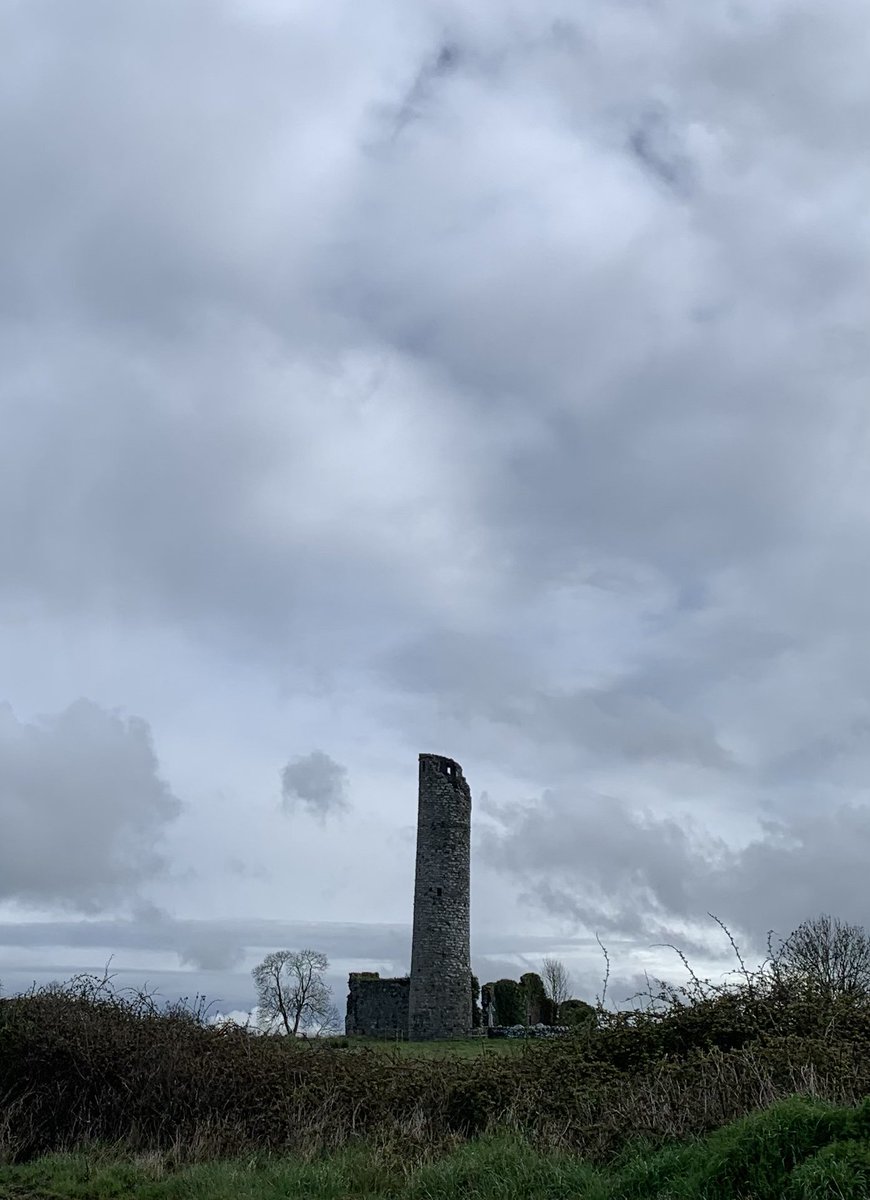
x=436, y=1001
x=377, y=1007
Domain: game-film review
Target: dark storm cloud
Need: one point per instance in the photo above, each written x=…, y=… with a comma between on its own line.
x=652, y=142
x=612, y=868
x=545, y=419
x=214, y=945
x=316, y=783
x=420, y=93
x=211, y=945
x=163, y=328
x=155, y=930
x=213, y=952
x=82, y=807
x=181, y=269
x=487, y=678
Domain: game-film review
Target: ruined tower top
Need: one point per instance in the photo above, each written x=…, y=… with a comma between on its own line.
x=440, y=989
x=446, y=766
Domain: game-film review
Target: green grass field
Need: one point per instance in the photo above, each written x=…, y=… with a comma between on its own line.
x=467, y=1048
x=797, y=1150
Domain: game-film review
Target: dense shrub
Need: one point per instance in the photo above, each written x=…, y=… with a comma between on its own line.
x=537, y=1007
x=576, y=1013
x=510, y=1006
x=82, y=1063
x=476, y=1015
x=487, y=1003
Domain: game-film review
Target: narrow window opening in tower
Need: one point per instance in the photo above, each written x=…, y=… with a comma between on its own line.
x=438, y=891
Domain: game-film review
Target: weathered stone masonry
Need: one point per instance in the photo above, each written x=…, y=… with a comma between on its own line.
x=436, y=1001
x=377, y=1007
x=440, y=992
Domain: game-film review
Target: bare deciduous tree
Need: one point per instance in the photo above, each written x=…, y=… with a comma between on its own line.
x=829, y=954
x=557, y=984
x=292, y=994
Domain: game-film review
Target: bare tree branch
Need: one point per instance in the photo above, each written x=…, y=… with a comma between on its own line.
x=828, y=954
x=292, y=994
x=557, y=984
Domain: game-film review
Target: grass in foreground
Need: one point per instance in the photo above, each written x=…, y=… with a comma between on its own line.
x=457, y=1048
x=797, y=1150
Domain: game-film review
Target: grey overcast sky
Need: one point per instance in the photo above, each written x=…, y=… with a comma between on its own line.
x=487, y=379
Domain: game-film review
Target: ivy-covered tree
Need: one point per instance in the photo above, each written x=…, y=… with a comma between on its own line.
x=535, y=1005
x=487, y=1005
x=476, y=1017
x=576, y=1013
x=510, y=1007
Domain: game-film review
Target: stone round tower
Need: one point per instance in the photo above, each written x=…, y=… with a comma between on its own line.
x=440, y=989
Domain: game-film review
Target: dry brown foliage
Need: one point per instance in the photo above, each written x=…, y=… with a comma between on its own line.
x=84, y=1063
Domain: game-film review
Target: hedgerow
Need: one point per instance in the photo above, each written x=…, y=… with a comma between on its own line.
x=84, y=1063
